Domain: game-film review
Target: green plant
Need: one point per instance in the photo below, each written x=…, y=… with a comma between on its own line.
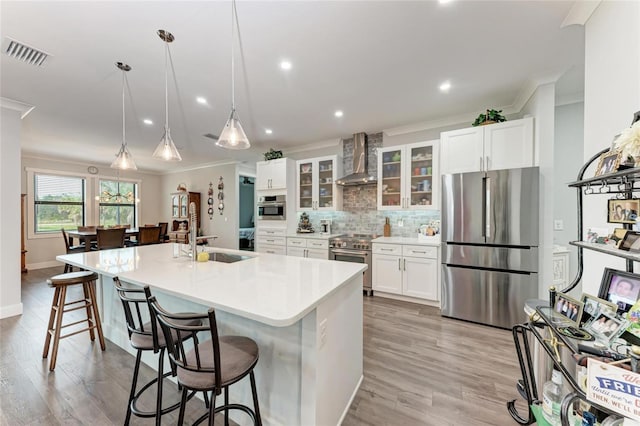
x=491, y=115
x=272, y=154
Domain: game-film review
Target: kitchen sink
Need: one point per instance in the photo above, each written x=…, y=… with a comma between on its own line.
x=226, y=257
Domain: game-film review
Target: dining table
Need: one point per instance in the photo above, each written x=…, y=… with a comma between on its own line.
x=88, y=236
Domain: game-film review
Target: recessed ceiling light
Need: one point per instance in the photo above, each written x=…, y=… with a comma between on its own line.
x=338, y=113
x=444, y=1
x=285, y=65
x=444, y=87
x=201, y=100
x=268, y=131
x=147, y=122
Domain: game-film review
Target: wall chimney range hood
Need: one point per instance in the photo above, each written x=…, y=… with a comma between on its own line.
x=360, y=175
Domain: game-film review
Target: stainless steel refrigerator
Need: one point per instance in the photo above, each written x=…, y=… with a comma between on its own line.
x=490, y=245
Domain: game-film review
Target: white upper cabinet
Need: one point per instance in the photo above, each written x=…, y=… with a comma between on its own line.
x=271, y=174
x=409, y=177
x=316, y=184
x=497, y=146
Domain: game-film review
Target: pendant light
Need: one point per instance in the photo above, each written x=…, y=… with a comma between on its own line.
x=233, y=136
x=124, y=159
x=166, y=150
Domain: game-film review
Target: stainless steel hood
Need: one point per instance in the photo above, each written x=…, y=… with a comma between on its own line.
x=360, y=175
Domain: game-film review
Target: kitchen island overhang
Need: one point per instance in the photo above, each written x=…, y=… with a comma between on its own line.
x=305, y=315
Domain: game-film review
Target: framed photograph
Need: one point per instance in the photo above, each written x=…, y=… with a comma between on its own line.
x=609, y=162
x=593, y=305
x=606, y=326
x=620, y=287
x=619, y=233
x=569, y=307
x=630, y=242
x=623, y=211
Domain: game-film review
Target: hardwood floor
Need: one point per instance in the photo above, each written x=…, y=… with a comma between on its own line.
x=419, y=368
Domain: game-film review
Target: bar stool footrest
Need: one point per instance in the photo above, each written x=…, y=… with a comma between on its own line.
x=240, y=407
x=147, y=414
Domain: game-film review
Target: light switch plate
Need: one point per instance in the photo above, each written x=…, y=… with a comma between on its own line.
x=558, y=225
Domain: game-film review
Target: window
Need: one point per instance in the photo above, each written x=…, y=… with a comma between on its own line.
x=58, y=202
x=118, y=203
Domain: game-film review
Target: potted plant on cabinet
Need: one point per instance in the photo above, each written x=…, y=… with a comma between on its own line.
x=490, y=117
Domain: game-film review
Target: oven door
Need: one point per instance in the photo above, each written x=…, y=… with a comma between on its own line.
x=355, y=256
x=272, y=211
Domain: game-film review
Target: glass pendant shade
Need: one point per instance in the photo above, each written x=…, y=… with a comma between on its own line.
x=233, y=136
x=167, y=150
x=124, y=159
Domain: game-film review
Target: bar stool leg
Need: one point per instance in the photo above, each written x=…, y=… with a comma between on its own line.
x=96, y=314
x=226, y=403
x=183, y=404
x=134, y=383
x=56, y=334
x=159, y=384
x=87, y=300
x=212, y=408
x=52, y=316
x=256, y=406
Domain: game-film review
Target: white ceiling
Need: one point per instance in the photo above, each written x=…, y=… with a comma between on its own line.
x=380, y=62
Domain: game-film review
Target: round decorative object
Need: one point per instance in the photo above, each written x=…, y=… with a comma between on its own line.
x=210, y=201
x=220, y=207
x=92, y=169
x=182, y=187
x=220, y=195
x=210, y=211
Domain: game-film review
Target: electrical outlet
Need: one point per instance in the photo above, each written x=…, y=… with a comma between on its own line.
x=558, y=225
x=322, y=331
x=400, y=223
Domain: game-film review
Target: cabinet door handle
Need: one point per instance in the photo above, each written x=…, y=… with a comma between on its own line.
x=271, y=251
x=269, y=241
x=405, y=264
x=384, y=249
x=399, y=268
x=306, y=253
x=421, y=252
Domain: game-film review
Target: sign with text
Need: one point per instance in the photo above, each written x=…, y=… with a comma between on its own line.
x=614, y=388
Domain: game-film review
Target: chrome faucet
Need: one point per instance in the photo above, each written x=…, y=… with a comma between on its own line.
x=193, y=232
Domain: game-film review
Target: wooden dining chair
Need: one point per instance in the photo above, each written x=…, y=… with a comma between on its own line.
x=164, y=227
x=110, y=238
x=70, y=249
x=148, y=235
x=91, y=228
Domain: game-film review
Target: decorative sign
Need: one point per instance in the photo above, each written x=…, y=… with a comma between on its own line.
x=614, y=388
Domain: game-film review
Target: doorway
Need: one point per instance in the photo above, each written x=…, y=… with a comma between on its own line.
x=246, y=212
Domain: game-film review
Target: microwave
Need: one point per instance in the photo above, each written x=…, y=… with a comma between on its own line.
x=272, y=207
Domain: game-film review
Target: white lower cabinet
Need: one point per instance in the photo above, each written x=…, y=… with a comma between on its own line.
x=406, y=270
x=271, y=240
x=312, y=248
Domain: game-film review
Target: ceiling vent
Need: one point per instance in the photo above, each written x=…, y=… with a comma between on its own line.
x=24, y=53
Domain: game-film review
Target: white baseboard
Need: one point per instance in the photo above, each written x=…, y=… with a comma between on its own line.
x=407, y=298
x=353, y=396
x=42, y=265
x=10, y=311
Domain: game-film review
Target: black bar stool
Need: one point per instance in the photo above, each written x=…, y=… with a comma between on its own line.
x=212, y=365
x=59, y=306
x=144, y=336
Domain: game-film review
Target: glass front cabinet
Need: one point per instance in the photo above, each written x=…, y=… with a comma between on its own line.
x=408, y=177
x=316, y=187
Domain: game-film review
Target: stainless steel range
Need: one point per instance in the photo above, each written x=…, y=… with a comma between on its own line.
x=354, y=248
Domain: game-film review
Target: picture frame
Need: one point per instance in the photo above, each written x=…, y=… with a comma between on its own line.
x=609, y=162
x=592, y=306
x=606, y=326
x=569, y=308
x=620, y=287
x=630, y=242
x=619, y=233
x=623, y=211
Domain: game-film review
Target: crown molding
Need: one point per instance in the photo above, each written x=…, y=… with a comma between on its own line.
x=23, y=108
x=580, y=12
x=570, y=98
x=314, y=145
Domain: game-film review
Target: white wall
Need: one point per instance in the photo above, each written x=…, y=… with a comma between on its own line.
x=568, y=158
x=541, y=105
x=10, y=284
x=225, y=226
x=612, y=95
x=42, y=250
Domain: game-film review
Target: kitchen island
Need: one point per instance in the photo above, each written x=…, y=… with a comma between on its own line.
x=304, y=314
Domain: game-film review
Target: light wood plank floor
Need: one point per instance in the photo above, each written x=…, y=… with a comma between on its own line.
x=419, y=368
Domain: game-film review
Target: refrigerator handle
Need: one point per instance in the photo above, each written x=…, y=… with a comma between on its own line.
x=487, y=164
x=487, y=206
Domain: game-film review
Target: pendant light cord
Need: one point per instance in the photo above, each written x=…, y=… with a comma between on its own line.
x=166, y=85
x=233, y=82
x=123, y=116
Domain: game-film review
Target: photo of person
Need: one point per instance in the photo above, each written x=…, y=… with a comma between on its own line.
x=568, y=307
x=609, y=162
x=623, y=291
x=606, y=326
x=623, y=211
x=594, y=305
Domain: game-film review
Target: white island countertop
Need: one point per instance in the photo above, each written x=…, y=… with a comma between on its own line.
x=272, y=289
x=427, y=241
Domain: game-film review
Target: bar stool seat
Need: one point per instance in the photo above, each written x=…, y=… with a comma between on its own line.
x=60, y=306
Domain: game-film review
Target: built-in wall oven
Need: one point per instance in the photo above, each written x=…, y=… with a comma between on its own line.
x=272, y=207
x=354, y=248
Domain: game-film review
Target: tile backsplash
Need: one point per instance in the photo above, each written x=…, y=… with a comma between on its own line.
x=372, y=221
